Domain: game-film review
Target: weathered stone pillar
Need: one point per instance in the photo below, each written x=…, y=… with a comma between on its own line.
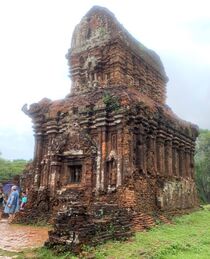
x=103, y=156
x=52, y=133
x=181, y=161
x=160, y=153
x=127, y=151
x=168, y=157
x=37, y=158
x=119, y=156
x=141, y=149
x=151, y=155
x=38, y=147
x=192, y=163
x=45, y=171
x=187, y=162
x=98, y=169
x=54, y=176
x=100, y=161
x=102, y=148
x=175, y=161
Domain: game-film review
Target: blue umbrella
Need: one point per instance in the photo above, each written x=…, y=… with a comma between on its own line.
x=7, y=188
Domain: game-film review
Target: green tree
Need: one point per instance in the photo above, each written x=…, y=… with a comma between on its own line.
x=10, y=168
x=202, y=163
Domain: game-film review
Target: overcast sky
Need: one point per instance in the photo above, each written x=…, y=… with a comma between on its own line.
x=36, y=34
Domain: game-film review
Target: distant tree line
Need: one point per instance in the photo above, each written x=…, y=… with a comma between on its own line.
x=10, y=168
x=202, y=165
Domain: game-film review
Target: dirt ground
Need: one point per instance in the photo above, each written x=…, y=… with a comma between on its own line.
x=15, y=238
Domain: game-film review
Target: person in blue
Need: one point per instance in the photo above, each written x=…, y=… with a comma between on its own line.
x=12, y=205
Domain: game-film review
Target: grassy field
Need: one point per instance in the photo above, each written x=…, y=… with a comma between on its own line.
x=188, y=237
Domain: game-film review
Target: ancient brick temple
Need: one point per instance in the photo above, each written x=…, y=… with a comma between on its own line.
x=112, y=151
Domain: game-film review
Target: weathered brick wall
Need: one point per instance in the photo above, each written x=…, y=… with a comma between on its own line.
x=180, y=194
x=80, y=225
x=104, y=54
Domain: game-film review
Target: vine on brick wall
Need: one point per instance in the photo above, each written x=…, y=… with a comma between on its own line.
x=112, y=102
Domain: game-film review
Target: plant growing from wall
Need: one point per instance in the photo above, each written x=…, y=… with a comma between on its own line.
x=112, y=102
